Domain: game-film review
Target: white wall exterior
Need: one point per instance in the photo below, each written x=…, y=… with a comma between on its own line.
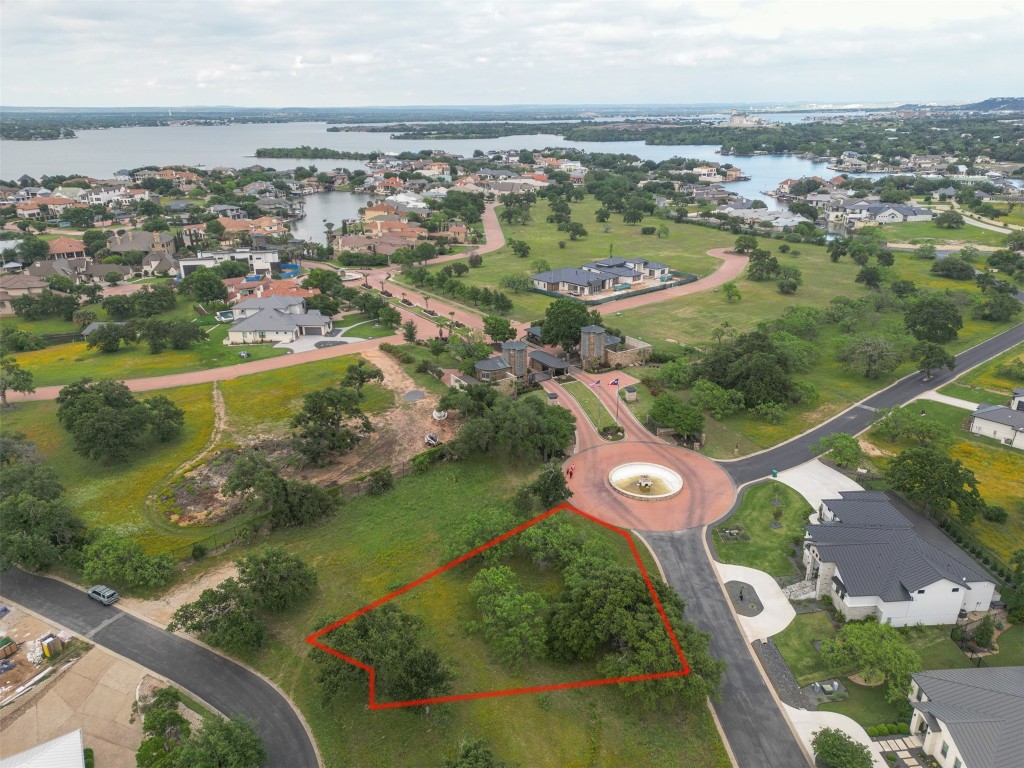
x=257, y=337
x=938, y=604
x=1001, y=432
x=260, y=262
x=934, y=740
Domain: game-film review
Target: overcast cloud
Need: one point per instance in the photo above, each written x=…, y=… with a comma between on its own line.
x=276, y=53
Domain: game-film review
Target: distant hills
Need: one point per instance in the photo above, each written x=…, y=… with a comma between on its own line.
x=994, y=104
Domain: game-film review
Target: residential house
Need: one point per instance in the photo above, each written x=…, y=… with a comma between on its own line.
x=275, y=319
x=45, y=207
x=105, y=195
x=970, y=718
x=66, y=248
x=140, y=240
x=13, y=286
x=260, y=262
x=1000, y=422
x=261, y=286
x=867, y=558
x=609, y=274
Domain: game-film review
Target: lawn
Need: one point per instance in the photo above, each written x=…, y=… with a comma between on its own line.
x=592, y=406
x=1016, y=216
x=972, y=395
x=116, y=495
x=866, y=704
x=64, y=363
x=52, y=325
x=685, y=249
x=987, y=376
x=998, y=469
x=914, y=231
x=427, y=381
x=378, y=543
x=768, y=549
x=265, y=402
x=796, y=644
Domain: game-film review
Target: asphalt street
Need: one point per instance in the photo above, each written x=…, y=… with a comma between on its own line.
x=225, y=685
x=754, y=725
x=857, y=418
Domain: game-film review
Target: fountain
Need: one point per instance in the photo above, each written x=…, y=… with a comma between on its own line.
x=645, y=482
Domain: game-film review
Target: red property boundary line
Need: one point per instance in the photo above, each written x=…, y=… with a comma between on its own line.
x=314, y=639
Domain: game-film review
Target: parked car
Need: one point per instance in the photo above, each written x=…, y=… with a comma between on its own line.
x=104, y=594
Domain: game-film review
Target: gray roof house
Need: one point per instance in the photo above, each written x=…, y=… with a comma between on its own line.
x=970, y=718
x=867, y=557
x=275, y=319
x=1001, y=422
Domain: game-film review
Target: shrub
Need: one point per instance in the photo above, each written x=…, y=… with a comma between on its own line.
x=904, y=728
x=423, y=366
x=893, y=729
x=198, y=551
x=872, y=731
x=381, y=482
x=994, y=514
x=891, y=757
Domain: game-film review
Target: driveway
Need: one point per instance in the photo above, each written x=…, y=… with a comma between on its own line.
x=224, y=684
x=816, y=481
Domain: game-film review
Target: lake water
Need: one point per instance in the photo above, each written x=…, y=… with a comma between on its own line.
x=100, y=153
x=329, y=206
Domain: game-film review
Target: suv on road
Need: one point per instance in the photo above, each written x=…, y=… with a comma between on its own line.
x=104, y=594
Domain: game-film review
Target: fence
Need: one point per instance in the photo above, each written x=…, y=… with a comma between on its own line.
x=221, y=538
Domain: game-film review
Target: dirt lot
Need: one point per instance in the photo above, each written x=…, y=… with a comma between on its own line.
x=94, y=692
x=160, y=610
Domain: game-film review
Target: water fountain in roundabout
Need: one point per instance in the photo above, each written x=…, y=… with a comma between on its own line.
x=644, y=481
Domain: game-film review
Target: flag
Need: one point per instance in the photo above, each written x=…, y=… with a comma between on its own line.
x=613, y=383
x=596, y=383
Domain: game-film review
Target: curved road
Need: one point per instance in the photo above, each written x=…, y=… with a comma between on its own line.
x=225, y=685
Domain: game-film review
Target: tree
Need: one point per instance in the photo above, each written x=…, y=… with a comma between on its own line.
x=790, y=279
x=843, y=448
x=499, y=329
x=474, y=754
x=517, y=283
x=931, y=356
x=327, y=424
x=763, y=265
x=222, y=743
x=870, y=277
x=214, y=228
x=550, y=486
x=876, y=652
x=933, y=317
x=950, y=220
x=518, y=429
x=985, y=632
x=519, y=248
x=731, y=291
x=954, y=268
x=204, y=285
x=31, y=249
x=278, y=581
x=834, y=749
x=166, y=419
x=575, y=230
x=632, y=216
x=15, y=378
x=874, y=355
x=108, y=337
x=936, y=481
x=716, y=400
x=687, y=420
x=909, y=423
x=475, y=260
x=113, y=277
x=903, y=288
x=745, y=244
x=95, y=241
x=409, y=331
x=563, y=320
x=83, y=317
x=925, y=251
x=388, y=315
x=998, y=307
x=360, y=374
x=224, y=616
x=512, y=619
x=459, y=269
x=119, y=560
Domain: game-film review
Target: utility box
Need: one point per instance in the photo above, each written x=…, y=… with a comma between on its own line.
x=7, y=647
x=51, y=645
x=630, y=396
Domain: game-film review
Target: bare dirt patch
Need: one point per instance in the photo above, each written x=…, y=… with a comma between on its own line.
x=160, y=610
x=871, y=449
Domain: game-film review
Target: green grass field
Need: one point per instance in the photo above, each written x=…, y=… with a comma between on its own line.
x=988, y=378
x=914, y=231
x=998, y=469
x=49, y=325
x=768, y=548
x=592, y=406
x=265, y=402
x=685, y=249
x=115, y=495
x=376, y=544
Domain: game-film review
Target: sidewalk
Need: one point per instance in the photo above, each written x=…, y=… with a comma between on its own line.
x=807, y=722
x=777, y=613
x=954, y=401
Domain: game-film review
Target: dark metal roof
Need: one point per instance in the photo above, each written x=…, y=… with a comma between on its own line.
x=1001, y=414
x=550, y=361
x=492, y=364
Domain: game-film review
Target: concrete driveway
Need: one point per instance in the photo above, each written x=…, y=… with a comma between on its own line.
x=777, y=611
x=815, y=481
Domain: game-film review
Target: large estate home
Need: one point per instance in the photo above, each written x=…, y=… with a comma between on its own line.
x=260, y=262
x=275, y=319
x=970, y=718
x=611, y=274
x=867, y=558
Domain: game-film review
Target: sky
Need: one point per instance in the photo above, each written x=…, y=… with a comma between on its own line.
x=347, y=53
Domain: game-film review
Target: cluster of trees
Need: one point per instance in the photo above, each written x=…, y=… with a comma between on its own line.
x=233, y=614
x=447, y=283
x=46, y=303
x=13, y=377
x=148, y=301
x=558, y=197
x=932, y=478
x=330, y=421
x=517, y=429
x=563, y=321
x=604, y=614
x=169, y=741
x=112, y=558
x=515, y=208
x=107, y=423
x=764, y=265
x=205, y=284
x=877, y=652
x=285, y=503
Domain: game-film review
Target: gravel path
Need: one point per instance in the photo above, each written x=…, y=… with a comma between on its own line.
x=780, y=674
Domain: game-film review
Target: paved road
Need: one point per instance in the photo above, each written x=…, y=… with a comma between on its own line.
x=225, y=685
x=754, y=725
x=858, y=417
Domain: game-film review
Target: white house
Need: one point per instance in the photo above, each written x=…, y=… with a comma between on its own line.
x=275, y=319
x=868, y=559
x=970, y=718
x=261, y=262
x=1000, y=422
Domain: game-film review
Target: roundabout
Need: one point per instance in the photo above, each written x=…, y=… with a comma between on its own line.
x=645, y=482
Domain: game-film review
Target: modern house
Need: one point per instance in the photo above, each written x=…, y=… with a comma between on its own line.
x=260, y=262
x=970, y=718
x=611, y=274
x=275, y=319
x=867, y=558
x=1001, y=422
x=139, y=240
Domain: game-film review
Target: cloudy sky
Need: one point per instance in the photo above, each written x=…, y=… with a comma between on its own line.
x=275, y=53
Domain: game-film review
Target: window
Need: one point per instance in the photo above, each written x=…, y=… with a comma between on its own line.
x=920, y=591
x=920, y=695
x=956, y=589
x=945, y=749
x=958, y=763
